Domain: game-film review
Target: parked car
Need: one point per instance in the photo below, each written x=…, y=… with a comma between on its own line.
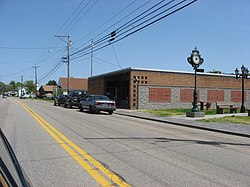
x=60, y=99
x=4, y=96
x=96, y=103
x=74, y=97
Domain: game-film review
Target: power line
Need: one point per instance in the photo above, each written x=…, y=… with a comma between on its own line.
x=116, y=56
x=105, y=41
x=118, y=13
x=51, y=72
x=26, y=48
x=107, y=36
x=83, y=15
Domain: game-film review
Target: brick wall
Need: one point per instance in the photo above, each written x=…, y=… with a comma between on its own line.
x=187, y=95
x=236, y=96
x=96, y=86
x=215, y=95
x=179, y=97
x=159, y=95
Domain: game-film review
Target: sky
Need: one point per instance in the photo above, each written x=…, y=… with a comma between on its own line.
x=220, y=30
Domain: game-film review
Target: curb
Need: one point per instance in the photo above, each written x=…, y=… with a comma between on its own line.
x=187, y=125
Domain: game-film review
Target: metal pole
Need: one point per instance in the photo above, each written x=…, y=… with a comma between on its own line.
x=195, y=106
x=35, y=67
x=68, y=85
x=242, y=108
x=91, y=68
x=21, y=85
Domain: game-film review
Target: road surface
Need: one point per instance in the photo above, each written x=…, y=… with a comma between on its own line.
x=64, y=147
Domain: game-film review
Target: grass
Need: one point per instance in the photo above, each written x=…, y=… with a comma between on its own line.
x=175, y=112
x=226, y=119
x=230, y=119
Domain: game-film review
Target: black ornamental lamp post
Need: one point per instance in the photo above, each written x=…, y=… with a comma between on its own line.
x=243, y=75
x=195, y=60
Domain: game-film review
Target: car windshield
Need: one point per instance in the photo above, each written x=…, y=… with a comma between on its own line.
x=79, y=92
x=101, y=97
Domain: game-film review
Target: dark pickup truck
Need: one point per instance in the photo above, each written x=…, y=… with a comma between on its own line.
x=74, y=97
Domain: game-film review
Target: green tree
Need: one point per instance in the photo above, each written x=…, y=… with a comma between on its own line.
x=9, y=87
x=18, y=85
x=13, y=84
x=2, y=87
x=31, y=88
x=52, y=82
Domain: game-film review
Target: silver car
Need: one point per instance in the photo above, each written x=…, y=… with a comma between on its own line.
x=96, y=103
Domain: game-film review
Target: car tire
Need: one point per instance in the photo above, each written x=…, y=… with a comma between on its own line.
x=54, y=103
x=80, y=108
x=110, y=112
x=70, y=105
x=91, y=109
x=64, y=105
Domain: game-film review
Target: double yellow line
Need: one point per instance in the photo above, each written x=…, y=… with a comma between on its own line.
x=94, y=168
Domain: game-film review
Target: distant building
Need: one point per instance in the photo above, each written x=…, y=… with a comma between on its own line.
x=136, y=88
x=46, y=91
x=75, y=84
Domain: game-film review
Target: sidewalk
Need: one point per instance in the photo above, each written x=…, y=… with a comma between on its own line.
x=228, y=128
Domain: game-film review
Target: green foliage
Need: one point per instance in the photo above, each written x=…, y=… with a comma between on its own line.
x=13, y=84
x=2, y=87
x=31, y=88
x=52, y=82
x=18, y=84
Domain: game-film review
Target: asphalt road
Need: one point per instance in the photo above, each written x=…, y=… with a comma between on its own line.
x=65, y=147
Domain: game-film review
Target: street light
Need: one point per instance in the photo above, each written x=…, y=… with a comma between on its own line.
x=243, y=75
x=195, y=60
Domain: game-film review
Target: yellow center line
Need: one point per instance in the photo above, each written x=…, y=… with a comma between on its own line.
x=79, y=155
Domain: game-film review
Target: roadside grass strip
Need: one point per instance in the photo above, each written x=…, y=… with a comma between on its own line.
x=95, y=169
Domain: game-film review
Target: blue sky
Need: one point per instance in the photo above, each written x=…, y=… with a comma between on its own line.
x=220, y=29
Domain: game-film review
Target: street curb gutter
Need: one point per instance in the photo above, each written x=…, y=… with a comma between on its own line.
x=187, y=125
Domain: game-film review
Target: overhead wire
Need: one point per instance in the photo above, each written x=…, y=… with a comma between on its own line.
x=118, y=13
x=155, y=18
x=108, y=35
x=104, y=38
x=83, y=14
x=67, y=28
x=51, y=72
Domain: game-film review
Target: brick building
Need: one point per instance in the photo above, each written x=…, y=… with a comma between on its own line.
x=75, y=84
x=135, y=88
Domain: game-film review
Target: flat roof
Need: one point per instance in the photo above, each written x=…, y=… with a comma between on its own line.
x=129, y=69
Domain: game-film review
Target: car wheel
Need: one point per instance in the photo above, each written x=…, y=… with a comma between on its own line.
x=54, y=103
x=64, y=105
x=91, y=109
x=110, y=112
x=80, y=108
x=70, y=105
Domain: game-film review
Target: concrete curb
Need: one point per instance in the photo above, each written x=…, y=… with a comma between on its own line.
x=184, y=124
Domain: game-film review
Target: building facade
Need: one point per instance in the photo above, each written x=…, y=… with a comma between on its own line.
x=135, y=88
x=74, y=84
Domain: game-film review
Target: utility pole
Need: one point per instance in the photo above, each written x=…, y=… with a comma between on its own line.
x=91, y=65
x=68, y=57
x=21, y=86
x=35, y=67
